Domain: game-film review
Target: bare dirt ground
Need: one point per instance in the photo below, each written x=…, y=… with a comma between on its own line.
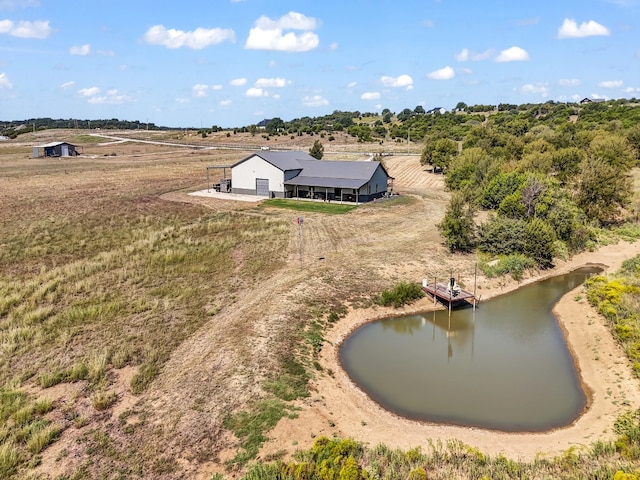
x=403, y=244
x=371, y=248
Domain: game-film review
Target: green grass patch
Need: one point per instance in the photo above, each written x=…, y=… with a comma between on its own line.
x=402, y=294
x=24, y=431
x=309, y=206
x=250, y=427
x=515, y=265
x=80, y=139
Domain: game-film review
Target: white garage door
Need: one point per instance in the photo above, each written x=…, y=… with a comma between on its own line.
x=262, y=187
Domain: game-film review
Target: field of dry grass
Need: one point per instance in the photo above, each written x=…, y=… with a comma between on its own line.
x=146, y=332
x=144, y=316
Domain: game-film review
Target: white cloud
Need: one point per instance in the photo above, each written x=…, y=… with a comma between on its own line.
x=569, y=82
x=200, y=90
x=112, y=98
x=5, y=84
x=611, y=84
x=352, y=84
x=81, y=50
x=513, y=54
x=196, y=39
x=570, y=29
x=290, y=21
x=541, y=89
x=106, y=53
x=315, y=101
x=89, y=92
x=445, y=73
x=403, y=81
x=268, y=34
x=225, y=103
x=256, y=92
x=216, y=87
x=428, y=23
x=238, y=82
x=370, y=96
x=466, y=54
x=272, y=82
x=183, y=100
x=333, y=46
x=274, y=40
x=66, y=85
x=24, y=29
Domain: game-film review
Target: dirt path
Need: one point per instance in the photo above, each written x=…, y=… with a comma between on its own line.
x=381, y=246
x=221, y=367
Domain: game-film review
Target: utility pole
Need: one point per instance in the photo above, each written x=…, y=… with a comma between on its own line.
x=408, y=139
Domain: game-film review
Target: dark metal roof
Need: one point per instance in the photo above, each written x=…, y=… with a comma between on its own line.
x=285, y=160
x=339, y=174
x=326, y=182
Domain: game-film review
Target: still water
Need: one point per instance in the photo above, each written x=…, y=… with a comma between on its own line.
x=505, y=367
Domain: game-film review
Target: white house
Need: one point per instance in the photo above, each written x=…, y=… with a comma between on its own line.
x=291, y=174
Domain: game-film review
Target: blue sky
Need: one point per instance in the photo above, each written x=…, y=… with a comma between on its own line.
x=234, y=62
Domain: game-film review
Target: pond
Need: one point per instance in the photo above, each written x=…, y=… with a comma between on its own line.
x=505, y=366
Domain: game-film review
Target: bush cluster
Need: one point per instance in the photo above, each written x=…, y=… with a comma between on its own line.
x=402, y=294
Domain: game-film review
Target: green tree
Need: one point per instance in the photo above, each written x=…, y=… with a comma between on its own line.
x=539, y=242
x=317, y=150
x=500, y=187
x=502, y=236
x=565, y=162
x=275, y=125
x=461, y=106
x=457, y=226
x=602, y=190
x=613, y=149
x=438, y=151
x=468, y=170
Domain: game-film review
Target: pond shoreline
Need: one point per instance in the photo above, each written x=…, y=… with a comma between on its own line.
x=523, y=378
x=604, y=372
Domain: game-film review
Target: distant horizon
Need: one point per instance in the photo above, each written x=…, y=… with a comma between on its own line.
x=235, y=62
x=168, y=127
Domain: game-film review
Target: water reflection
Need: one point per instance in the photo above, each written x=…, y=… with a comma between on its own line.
x=504, y=366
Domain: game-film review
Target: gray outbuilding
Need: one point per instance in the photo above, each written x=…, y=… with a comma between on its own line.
x=55, y=149
x=292, y=174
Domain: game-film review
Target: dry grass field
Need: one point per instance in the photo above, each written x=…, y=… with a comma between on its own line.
x=144, y=316
x=149, y=333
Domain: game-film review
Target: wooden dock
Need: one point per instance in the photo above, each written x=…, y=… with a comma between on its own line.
x=450, y=297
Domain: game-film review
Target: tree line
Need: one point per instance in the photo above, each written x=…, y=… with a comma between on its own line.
x=549, y=177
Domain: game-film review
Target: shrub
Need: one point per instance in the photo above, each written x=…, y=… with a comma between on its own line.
x=41, y=439
x=401, y=294
x=514, y=265
x=103, y=400
x=502, y=236
x=9, y=460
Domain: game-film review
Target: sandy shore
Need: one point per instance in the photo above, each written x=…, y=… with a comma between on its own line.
x=339, y=407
